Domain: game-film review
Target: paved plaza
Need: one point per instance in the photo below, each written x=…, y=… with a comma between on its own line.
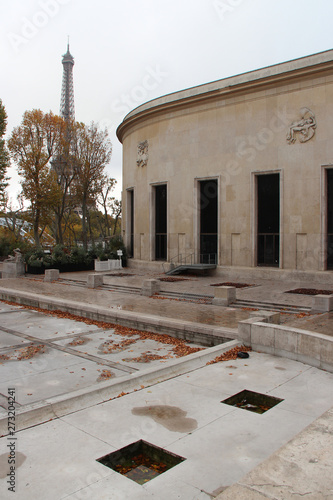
x=84, y=389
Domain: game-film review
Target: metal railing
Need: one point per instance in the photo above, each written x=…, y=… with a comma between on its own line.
x=330, y=251
x=268, y=249
x=182, y=259
x=193, y=259
x=208, y=258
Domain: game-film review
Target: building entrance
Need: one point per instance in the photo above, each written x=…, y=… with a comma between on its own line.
x=330, y=219
x=131, y=223
x=161, y=222
x=208, y=221
x=268, y=220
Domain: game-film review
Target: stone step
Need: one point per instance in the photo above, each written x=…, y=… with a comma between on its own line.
x=271, y=306
x=190, y=267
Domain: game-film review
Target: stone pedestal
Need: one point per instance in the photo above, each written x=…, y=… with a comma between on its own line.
x=94, y=280
x=12, y=269
x=224, y=295
x=322, y=303
x=51, y=275
x=149, y=287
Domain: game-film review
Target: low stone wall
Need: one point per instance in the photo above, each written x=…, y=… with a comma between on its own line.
x=206, y=335
x=314, y=349
x=244, y=274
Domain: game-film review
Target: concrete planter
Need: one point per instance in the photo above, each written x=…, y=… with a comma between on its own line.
x=107, y=265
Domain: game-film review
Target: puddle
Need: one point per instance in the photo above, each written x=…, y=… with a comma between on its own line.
x=172, y=418
x=141, y=461
x=4, y=466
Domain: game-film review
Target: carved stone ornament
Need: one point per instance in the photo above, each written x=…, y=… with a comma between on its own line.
x=142, y=158
x=17, y=257
x=303, y=129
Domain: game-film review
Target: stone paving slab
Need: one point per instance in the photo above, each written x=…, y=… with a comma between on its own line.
x=79, y=360
x=9, y=339
x=300, y=469
x=36, y=325
x=220, y=443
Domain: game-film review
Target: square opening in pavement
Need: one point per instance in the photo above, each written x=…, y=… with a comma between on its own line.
x=252, y=401
x=141, y=461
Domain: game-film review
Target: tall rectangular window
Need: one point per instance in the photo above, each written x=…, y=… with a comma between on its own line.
x=161, y=222
x=268, y=220
x=330, y=219
x=131, y=223
x=208, y=221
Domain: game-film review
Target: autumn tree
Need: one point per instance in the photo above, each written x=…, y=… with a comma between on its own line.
x=65, y=166
x=32, y=145
x=105, y=200
x=92, y=152
x=4, y=156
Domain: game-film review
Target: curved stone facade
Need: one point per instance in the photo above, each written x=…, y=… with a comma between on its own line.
x=241, y=168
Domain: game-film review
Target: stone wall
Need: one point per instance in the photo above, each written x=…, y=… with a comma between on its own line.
x=233, y=131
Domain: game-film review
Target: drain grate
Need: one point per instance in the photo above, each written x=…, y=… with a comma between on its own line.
x=141, y=461
x=252, y=401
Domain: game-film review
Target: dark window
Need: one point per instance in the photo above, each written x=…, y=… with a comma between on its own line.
x=268, y=188
x=330, y=219
x=208, y=220
x=161, y=222
x=131, y=201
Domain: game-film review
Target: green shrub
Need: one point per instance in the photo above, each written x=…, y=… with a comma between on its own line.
x=78, y=256
x=8, y=243
x=60, y=255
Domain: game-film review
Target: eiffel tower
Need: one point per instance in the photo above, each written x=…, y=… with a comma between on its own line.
x=67, y=91
x=62, y=163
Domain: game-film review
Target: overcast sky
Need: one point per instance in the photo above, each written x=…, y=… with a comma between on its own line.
x=130, y=51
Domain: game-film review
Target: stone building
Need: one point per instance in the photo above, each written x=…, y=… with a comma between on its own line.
x=239, y=170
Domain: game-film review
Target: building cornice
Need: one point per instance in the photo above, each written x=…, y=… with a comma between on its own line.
x=281, y=74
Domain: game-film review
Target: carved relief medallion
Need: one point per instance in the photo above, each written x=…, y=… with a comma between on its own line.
x=142, y=158
x=303, y=129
